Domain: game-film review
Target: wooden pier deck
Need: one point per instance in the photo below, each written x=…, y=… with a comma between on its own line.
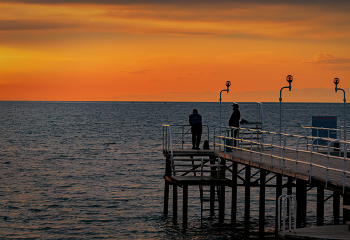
x=330, y=232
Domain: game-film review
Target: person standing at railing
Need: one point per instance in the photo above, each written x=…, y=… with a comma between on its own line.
x=195, y=120
x=234, y=121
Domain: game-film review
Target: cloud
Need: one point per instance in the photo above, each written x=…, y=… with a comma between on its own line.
x=250, y=19
x=128, y=2
x=15, y=25
x=328, y=58
x=336, y=68
x=138, y=72
x=330, y=62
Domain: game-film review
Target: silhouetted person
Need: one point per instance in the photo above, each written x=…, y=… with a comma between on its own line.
x=195, y=120
x=234, y=121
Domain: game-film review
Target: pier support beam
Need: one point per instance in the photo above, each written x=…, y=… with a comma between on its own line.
x=247, y=201
x=222, y=204
x=234, y=196
x=262, y=204
x=212, y=201
x=185, y=208
x=174, y=203
x=320, y=206
x=222, y=193
x=301, y=196
x=346, y=212
x=166, y=198
x=279, y=189
x=336, y=207
x=166, y=187
x=212, y=188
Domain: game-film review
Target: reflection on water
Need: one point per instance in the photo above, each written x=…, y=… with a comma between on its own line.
x=95, y=169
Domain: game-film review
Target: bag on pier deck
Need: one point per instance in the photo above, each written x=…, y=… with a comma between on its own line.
x=206, y=144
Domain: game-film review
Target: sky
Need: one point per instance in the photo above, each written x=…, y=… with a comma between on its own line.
x=116, y=50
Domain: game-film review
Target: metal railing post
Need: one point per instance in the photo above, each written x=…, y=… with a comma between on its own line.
x=261, y=148
x=344, y=171
x=297, y=154
x=272, y=147
x=328, y=154
x=312, y=148
x=284, y=150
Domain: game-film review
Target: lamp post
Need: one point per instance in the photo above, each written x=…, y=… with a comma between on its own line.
x=228, y=84
x=289, y=79
x=336, y=81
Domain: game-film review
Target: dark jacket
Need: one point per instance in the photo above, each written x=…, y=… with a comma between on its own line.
x=195, y=118
x=234, y=119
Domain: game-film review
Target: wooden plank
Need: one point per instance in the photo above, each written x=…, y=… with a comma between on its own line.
x=192, y=152
x=196, y=180
x=172, y=180
x=320, y=232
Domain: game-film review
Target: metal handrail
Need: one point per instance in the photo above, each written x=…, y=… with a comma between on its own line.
x=291, y=199
x=312, y=141
x=167, y=132
x=314, y=144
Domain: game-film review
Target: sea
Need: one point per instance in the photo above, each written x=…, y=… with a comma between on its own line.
x=94, y=170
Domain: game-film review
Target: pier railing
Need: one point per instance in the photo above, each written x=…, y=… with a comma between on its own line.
x=180, y=136
x=316, y=132
x=302, y=154
x=340, y=132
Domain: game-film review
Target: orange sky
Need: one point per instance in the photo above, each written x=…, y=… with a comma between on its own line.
x=80, y=50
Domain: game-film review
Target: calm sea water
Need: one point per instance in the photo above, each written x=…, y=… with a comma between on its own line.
x=94, y=170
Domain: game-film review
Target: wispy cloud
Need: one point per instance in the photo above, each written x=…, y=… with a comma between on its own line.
x=328, y=58
x=138, y=71
x=330, y=62
x=248, y=19
x=16, y=25
x=128, y=2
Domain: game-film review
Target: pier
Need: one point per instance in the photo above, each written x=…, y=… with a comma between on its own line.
x=289, y=163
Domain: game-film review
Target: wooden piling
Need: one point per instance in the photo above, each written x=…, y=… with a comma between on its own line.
x=212, y=201
x=221, y=204
x=279, y=189
x=301, y=196
x=320, y=206
x=212, y=188
x=166, y=198
x=262, y=204
x=222, y=193
x=346, y=212
x=336, y=207
x=234, y=196
x=166, y=187
x=247, y=201
x=185, y=208
x=174, y=203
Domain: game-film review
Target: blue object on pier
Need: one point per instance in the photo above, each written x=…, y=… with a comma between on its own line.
x=329, y=122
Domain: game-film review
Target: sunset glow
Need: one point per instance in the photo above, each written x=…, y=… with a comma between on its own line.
x=129, y=50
